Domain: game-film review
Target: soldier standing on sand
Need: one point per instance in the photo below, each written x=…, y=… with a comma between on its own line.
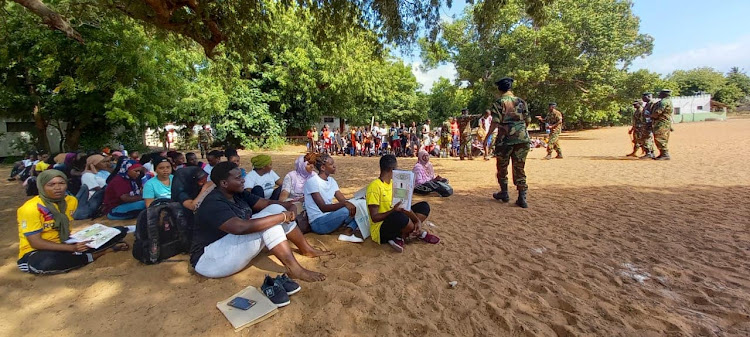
x=205, y=138
x=510, y=116
x=554, y=122
x=662, y=123
x=464, y=126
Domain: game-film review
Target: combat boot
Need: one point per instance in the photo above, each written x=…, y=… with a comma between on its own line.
x=648, y=155
x=559, y=155
x=503, y=194
x=521, y=202
x=664, y=155
x=548, y=157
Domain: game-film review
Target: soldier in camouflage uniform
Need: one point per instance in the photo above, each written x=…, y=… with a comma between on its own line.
x=554, y=122
x=510, y=116
x=641, y=129
x=464, y=126
x=662, y=119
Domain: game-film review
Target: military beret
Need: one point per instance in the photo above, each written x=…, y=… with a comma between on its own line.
x=666, y=91
x=552, y=104
x=646, y=93
x=637, y=102
x=504, y=83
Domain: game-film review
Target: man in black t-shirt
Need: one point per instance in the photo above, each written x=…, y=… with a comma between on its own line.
x=228, y=235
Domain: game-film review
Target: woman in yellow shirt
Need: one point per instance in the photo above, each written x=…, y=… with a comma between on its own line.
x=392, y=223
x=44, y=226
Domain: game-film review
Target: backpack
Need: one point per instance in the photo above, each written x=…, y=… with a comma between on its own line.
x=161, y=231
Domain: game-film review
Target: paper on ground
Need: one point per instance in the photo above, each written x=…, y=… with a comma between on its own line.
x=97, y=233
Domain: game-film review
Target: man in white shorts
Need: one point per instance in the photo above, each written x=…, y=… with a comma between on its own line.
x=228, y=235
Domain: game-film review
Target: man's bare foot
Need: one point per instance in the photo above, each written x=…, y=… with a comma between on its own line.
x=314, y=252
x=305, y=275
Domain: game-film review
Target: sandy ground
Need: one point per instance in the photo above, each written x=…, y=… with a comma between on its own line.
x=609, y=247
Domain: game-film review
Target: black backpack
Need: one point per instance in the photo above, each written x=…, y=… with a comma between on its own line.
x=161, y=232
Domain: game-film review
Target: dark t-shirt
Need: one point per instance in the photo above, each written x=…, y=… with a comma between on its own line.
x=185, y=184
x=214, y=212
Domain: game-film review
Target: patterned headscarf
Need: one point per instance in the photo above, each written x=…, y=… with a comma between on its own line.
x=62, y=223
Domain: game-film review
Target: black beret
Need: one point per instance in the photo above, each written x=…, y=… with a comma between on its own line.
x=504, y=83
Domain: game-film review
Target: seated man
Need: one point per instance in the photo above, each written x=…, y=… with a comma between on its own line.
x=228, y=235
x=262, y=180
x=44, y=226
x=392, y=223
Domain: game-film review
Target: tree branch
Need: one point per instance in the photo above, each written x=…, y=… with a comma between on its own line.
x=51, y=18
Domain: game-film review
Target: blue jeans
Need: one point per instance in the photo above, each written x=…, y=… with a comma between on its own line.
x=127, y=211
x=331, y=221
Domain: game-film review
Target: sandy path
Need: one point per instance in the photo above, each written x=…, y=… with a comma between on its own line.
x=608, y=247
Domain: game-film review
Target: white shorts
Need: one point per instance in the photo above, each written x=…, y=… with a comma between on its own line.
x=233, y=253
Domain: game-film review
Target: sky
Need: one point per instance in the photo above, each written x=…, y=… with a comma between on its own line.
x=687, y=34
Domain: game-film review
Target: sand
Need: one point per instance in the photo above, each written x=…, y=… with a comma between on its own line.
x=609, y=247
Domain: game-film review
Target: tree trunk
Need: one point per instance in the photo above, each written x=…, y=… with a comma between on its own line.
x=51, y=18
x=41, y=128
x=72, y=136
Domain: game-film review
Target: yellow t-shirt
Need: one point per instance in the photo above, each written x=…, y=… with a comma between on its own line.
x=34, y=217
x=381, y=194
x=41, y=166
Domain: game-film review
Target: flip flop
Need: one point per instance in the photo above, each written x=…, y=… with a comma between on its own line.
x=431, y=239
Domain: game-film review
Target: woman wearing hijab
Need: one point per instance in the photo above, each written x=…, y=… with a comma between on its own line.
x=91, y=194
x=188, y=185
x=44, y=226
x=122, y=196
x=293, y=187
x=425, y=180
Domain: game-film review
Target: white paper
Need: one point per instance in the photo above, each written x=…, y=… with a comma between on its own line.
x=403, y=188
x=97, y=233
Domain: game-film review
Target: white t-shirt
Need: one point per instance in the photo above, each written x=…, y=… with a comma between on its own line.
x=267, y=181
x=327, y=190
x=92, y=181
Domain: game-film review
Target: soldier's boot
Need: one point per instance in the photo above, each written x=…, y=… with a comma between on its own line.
x=664, y=155
x=521, y=202
x=503, y=194
x=648, y=155
x=549, y=156
x=559, y=154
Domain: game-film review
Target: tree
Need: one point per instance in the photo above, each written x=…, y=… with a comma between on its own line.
x=740, y=79
x=446, y=100
x=698, y=80
x=210, y=23
x=576, y=58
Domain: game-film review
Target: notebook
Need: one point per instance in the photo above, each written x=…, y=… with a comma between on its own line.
x=241, y=319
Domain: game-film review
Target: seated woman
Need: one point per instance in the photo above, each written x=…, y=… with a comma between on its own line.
x=293, y=187
x=91, y=194
x=425, y=180
x=233, y=225
x=44, y=226
x=160, y=187
x=262, y=180
x=177, y=159
x=188, y=185
x=122, y=196
x=235, y=158
x=43, y=164
x=325, y=216
x=392, y=223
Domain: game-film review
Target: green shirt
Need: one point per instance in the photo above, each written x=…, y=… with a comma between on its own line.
x=662, y=110
x=512, y=115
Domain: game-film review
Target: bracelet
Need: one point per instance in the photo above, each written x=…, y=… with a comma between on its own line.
x=284, y=216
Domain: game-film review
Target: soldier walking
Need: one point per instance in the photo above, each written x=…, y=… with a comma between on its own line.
x=662, y=123
x=554, y=122
x=510, y=115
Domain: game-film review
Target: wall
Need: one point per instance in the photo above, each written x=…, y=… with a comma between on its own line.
x=690, y=104
x=8, y=138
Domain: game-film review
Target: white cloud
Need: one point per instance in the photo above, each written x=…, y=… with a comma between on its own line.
x=428, y=78
x=718, y=56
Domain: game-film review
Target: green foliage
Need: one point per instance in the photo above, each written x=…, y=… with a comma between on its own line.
x=446, y=100
x=247, y=121
x=698, y=80
x=575, y=59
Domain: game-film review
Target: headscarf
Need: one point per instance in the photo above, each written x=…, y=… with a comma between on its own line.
x=69, y=158
x=62, y=223
x=261, y=161
x=424, y=160
x=129, y=166
x=92, y=161
x=300, y=175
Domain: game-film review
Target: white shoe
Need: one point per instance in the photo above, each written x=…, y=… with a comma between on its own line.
x=350, y=238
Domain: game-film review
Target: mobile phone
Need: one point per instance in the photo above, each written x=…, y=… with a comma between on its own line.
x=241, y=303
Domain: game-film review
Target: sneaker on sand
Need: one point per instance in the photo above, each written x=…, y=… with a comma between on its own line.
x=288, y=284
x=275, y=292
x=397, y=245
x=350, y=238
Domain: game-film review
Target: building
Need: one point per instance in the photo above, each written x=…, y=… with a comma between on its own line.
x=695, y=108
x=13, y=131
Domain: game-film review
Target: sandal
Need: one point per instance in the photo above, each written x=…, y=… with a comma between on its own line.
x=431, y=239
x=121, y=246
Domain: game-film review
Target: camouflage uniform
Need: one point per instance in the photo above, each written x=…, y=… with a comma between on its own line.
x=204, y=139
x=513, y=141
x=464, y=125
x=642, y=129
x=662, y=123
x=553, y=118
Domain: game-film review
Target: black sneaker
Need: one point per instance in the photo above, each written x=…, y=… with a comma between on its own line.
x=288, y=284
x=275, y=292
